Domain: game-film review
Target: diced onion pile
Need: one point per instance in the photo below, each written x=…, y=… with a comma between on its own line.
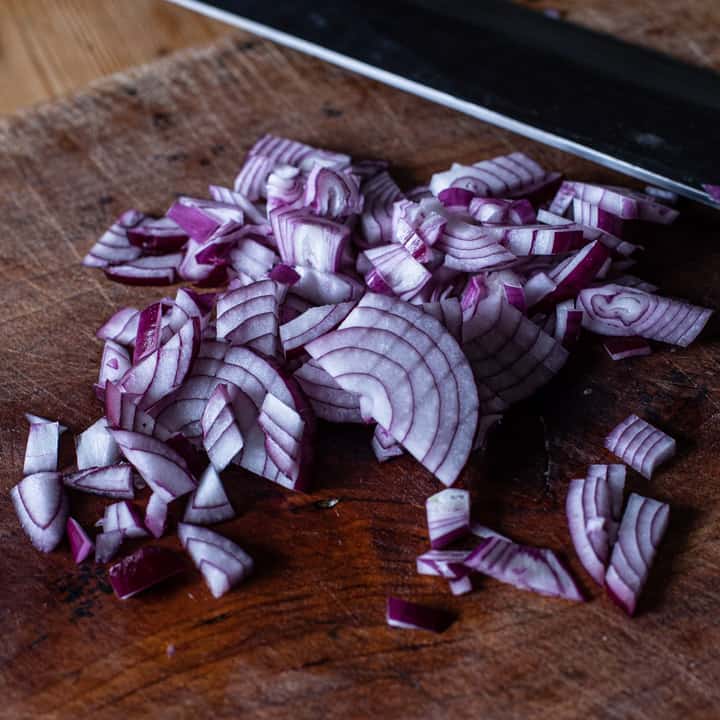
x=337, y=296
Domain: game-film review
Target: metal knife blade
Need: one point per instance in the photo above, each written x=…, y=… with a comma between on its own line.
x=626, y=107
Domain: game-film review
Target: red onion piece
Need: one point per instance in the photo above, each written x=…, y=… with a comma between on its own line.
x=453, y=197
x=449, y=313
x=568, y=323
x=145, y=568
x=123, y=516
x=617, y=310
x=331, y=193
x=395, y=271
x=620, y=348
x=284, y=274
x=304, y=239
x=253, y=259
x=286, y=444
x=201, y=219
x=148, y=270
x=462, y=586
x=449, y=564
x=411, y=616
x=121, y=327
x=367, y=169
x=586, y=213
x=326, y=288
x=113, y=247
x=470, y=248
x=393, y=354
x=34, y=419
x=292, y=152
x=538, y=239
x=384, y=445
x=156, y=515
x=147, y=338
x=80, y=543
x=115, y=362
x=285, y=188
x=113, y=481
x=502, y=212
x=526, y=568
x=206, y=262
x=380, y=193
x=231, y=197
x=593, y=507
x=222, y=563
x=510, y=356
x=222, y=438
x=157, y=235
x=42, y=508
x=163, y=469
x=641, y=531
x=209, y=503
x=641, y=445
x=416, y=229
x=107, y=545
x=329, y=401
x=448, y=516
x=252, y=178
x=41, y=451
x=312, y=324
x=249, y=316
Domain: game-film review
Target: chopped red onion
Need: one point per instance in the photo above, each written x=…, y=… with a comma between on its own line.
x=251, y=181
x=449, y=313
x=568, y=323
x=115, y=362
x=284, y=274
x=395, y=272
x=124, y=516
x=411, y=616
x=470, y=248
x=538, y=239
x=391, y=353
x=41, y=451
x=222, y=563
x=329, y=401
x=35, y=419
x=231, y=197
x=384, y=445
x=285, y=188
x=461, y=586
x=113, y=481
x=222, y=438
x=620, y=348
x=312, y=324
x=536, y=569
x=209, y=503
x=113, y=247
x=163, y=469
x=380, y=193
x=449, y=564
x=641, y=445
x=332, y=193
x=501, y=212
x=107, y=545
x=157, y=235
x=591, y=215
x=253, y=259
x=121, y=327
x=416, y=229
x=616, y=310
x=448, y=516
x=42, y=507
x=80, y=543
x=326, y=288
x=147, y=338
x=156, y=515
x=145, y=568
x=201, y=219
x=641, y=531
x=368, y=169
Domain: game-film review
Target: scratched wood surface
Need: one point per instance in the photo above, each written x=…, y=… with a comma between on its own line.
x=306, y=637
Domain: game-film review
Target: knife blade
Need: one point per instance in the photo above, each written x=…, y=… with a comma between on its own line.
x=620, y=105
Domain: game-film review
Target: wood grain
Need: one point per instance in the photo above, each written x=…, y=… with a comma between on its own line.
x=306, y=637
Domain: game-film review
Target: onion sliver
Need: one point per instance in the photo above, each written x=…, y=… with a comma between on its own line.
x=222, y=438
x=80, y=543
x=448, y=516
x=114, y=481
x=641, y=445
x=42, y=507
x=209, y=503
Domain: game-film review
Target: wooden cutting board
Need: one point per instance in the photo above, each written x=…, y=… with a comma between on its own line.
x=306, y=636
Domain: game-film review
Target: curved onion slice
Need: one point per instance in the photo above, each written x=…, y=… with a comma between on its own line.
x=156, y=515
x=42, y=507
x=593, y=508
x=222, y=438
x=449, y=313
x=620, y=348
x=641, y=445
x=147, y=270
x=643, y=525
x=286, y=444
x=113, y=247
x=449, y=564
x=329, y=401
x=322, y=288
x=253, y=259
x=510, y=356
x=146, y=567
x=617, y=310
x=312, y=324
x=147, y=338
x=411, y=616
x=304, y=239
x=123, y=516
x=121, y=327
x=395, y=271
x=501, y=212
x=113, y=481
x=252, y=178
x=384, y=445
x=538, y=239
x=163, y=469
x=380, y=193
x=526, y=568
x=107, y=545
x=331, y=193
x=448, y=516
x=285, y=188
x=222, y=563
x=394, y=355
x=157, y=235
x=249, y=315
x=471, y=248
x=209, y=503
x=80, y=543
x=41, y=451
x=232, y=197
x=201, y=219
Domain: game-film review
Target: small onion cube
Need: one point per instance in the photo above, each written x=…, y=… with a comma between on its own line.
x=641, y=445
x=41, y=451
x=124, y=516
x=412, y=616
x=96, y=447
x=42, y=507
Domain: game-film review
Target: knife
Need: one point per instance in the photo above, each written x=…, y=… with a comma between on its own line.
x=625, y=107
